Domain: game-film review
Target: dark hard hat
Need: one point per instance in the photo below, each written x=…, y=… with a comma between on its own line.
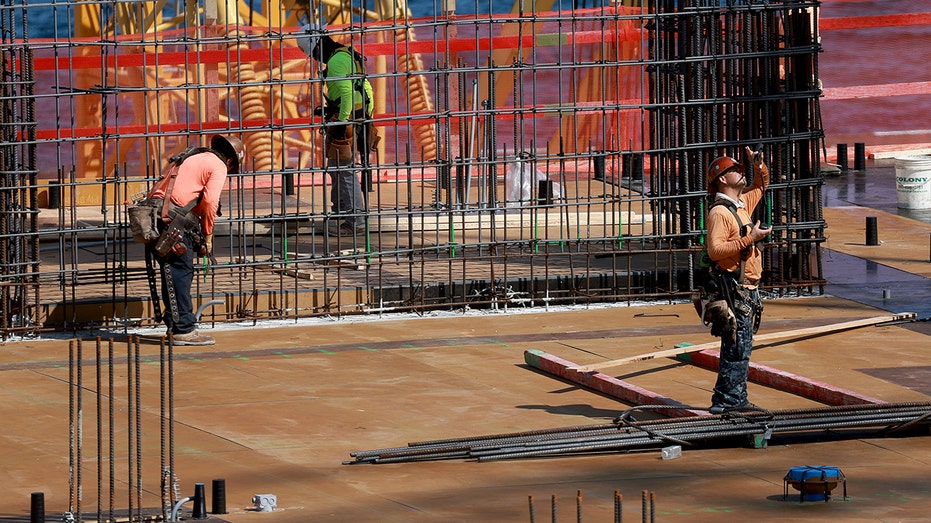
x=719, y=166
x=230, y=147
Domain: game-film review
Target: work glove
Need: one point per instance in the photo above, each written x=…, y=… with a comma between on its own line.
x=207, y=246
x=206, y=249
x=722, y=320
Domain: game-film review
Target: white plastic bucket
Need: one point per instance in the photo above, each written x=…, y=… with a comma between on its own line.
x=913, y=182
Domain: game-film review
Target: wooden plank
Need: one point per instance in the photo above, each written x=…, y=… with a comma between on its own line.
x=609, y=385
x=797, y=333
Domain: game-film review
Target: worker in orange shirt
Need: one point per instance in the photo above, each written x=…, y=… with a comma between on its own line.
x=738, y=267
x=192, y=188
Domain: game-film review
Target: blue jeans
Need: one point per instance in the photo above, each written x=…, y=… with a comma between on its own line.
x=730, y=390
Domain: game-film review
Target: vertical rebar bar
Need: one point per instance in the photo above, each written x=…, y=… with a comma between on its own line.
x=618, y=507
x=137, y=419
x=79, y=435
x=72, y=428
x=171, y=422
x=652, y=507
x=130, y=424
x=164, y=467
x=99, y=413
x=111, y=451
x=578, y=506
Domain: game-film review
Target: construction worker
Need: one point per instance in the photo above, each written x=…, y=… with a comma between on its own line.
x=347, y=111
x=738, y=268
x=192, y=188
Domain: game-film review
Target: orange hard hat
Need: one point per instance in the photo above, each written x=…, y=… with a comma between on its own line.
x=719, y=166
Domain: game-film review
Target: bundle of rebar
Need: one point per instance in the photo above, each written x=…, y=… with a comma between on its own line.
x=623, y=433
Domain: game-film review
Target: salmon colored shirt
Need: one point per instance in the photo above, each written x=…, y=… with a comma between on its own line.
x=203, y=173
x=724, y=240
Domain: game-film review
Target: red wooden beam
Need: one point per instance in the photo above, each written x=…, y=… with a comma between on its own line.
x=786, y=381
x=620, y=389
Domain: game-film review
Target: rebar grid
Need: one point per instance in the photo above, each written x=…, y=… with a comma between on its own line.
x=528, y=159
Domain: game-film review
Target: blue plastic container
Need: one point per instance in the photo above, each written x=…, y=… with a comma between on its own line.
x=814, y=483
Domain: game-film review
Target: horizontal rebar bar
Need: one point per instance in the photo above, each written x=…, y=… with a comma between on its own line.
x=652, y=433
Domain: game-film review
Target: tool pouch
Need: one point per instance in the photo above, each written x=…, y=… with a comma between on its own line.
x=170, y=240
x=372, y=138
x=339, y=151
x=183, y=221
x=143, y=220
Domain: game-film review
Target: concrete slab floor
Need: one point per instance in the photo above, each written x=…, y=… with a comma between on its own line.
x=278, y=410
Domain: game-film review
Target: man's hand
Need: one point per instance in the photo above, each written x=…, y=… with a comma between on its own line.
x=752, y=158
x=755, y=168
x=758, y=232
x=207, y=248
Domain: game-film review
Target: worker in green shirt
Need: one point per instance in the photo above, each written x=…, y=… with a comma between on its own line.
x=348, y=129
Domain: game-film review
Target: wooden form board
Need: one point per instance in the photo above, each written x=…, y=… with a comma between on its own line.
x=797, y=333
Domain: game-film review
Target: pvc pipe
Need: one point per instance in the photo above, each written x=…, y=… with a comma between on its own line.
x=174, y=511
x=208, y=304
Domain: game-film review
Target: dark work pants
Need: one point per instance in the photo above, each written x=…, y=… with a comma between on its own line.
x=730, y=390
x=181, y=269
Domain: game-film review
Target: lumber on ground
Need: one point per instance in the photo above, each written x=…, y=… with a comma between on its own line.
x=796, y=333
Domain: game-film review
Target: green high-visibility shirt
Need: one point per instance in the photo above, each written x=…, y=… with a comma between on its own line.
x=346, y=85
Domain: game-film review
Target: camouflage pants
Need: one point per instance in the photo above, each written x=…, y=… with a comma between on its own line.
x=730, y=390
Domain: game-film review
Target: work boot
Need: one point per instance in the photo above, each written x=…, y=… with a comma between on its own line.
x=193, y=338
x=341, y=228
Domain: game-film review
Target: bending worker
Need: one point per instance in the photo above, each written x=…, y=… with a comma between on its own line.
x=192, y=188
x=348, y=110
x=732, y=247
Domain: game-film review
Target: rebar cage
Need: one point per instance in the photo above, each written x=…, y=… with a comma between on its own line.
x=530, y=158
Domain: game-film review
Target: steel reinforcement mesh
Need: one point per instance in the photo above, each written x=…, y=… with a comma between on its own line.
x=527, y=159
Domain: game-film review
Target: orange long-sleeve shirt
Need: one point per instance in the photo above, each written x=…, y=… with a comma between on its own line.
x=724, y=240
x=201, y=174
